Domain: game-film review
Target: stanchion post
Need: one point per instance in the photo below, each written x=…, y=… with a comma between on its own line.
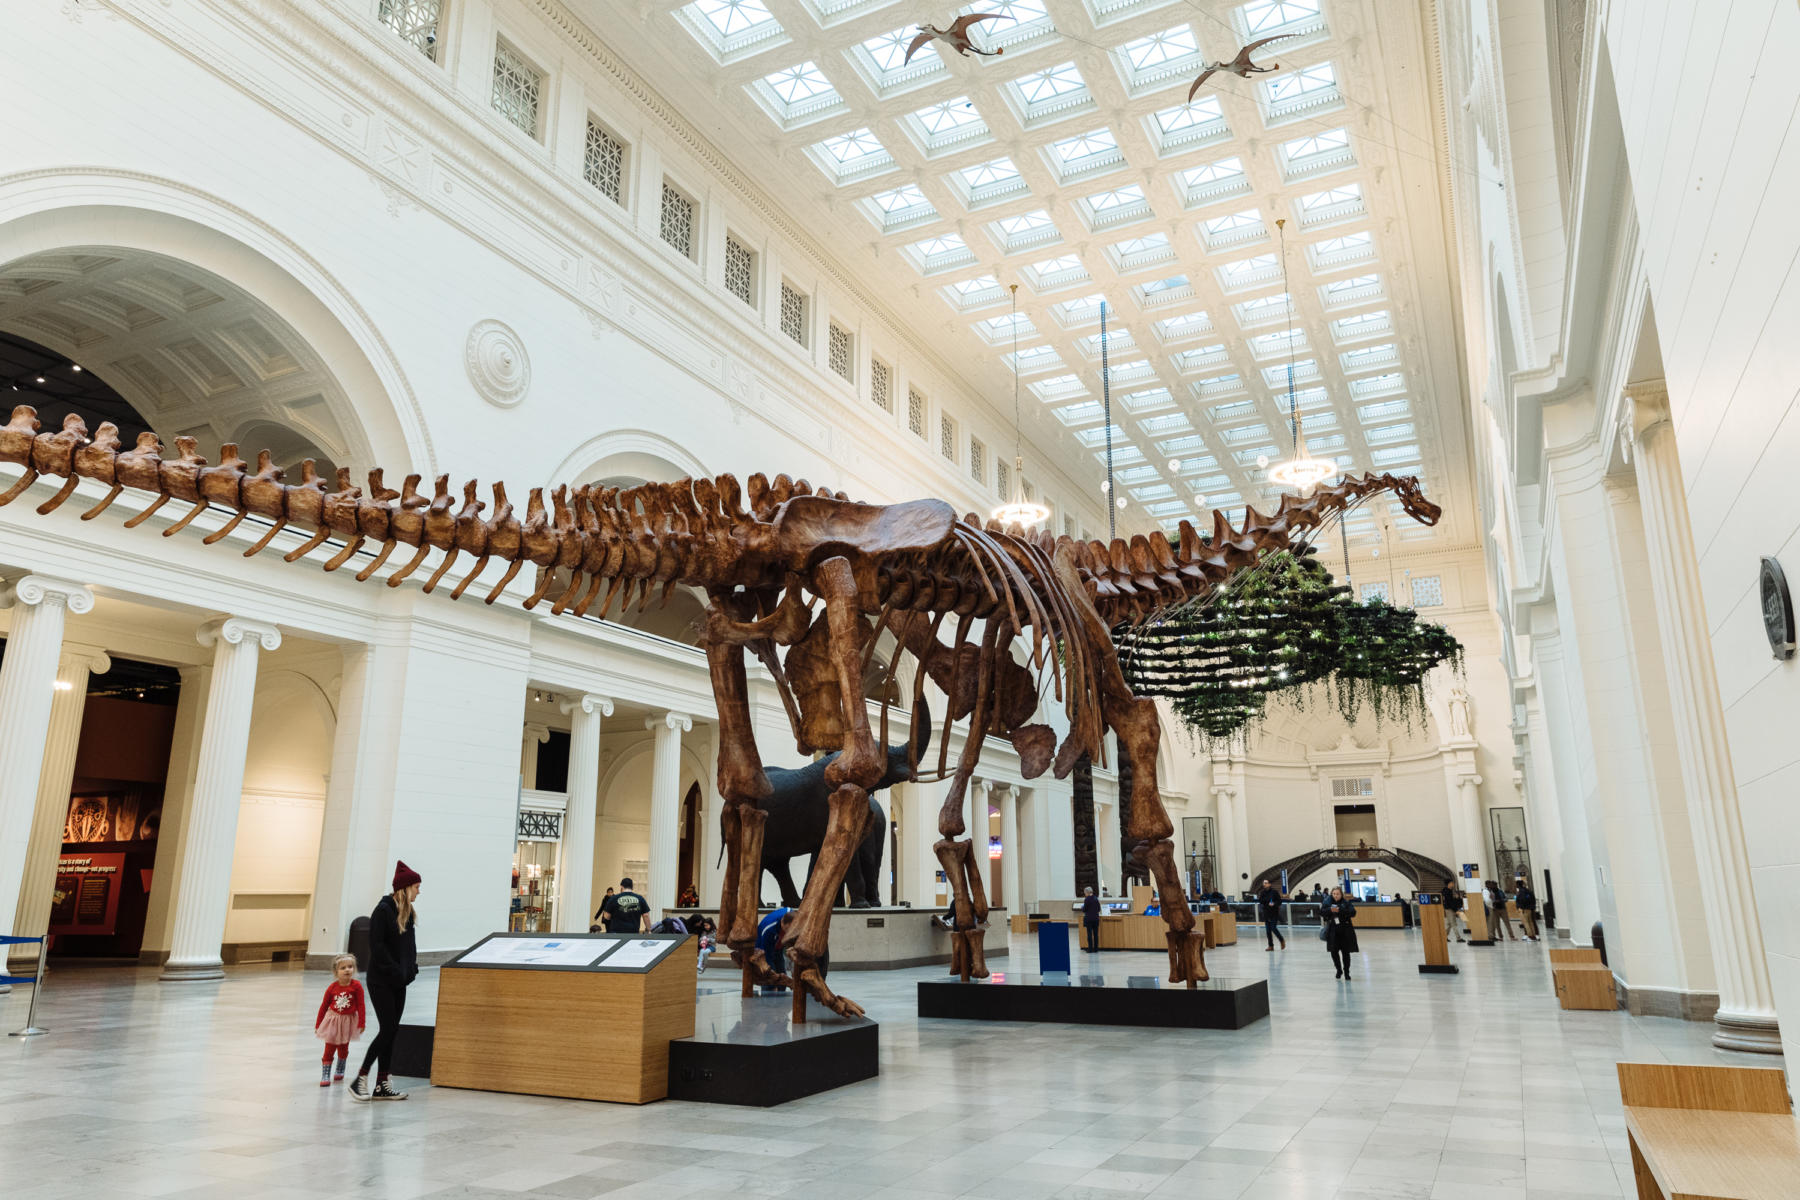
x=37, y=985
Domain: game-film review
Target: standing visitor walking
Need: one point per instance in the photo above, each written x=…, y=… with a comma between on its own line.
x=342, y=1017
x=1496, y=903
x=1338, y=913
x=1526, y=899
x=1453, y=910
x=393, y=963
x=1268, y=906
x=1090, y=920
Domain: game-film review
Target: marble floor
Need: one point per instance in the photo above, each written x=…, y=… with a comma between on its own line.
x=1395, y=1086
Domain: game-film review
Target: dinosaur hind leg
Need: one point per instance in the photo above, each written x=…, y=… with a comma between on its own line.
x=742, y=784
x=1135, y=722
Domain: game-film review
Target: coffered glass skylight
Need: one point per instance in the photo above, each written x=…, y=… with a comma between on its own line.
x=1065, y=270
x=1147, y=400
x=1147, y=250
x=1079, y=310
x=946, y=124
x=1202, y=358
x=852, y=155
x=968, y=294
x=1001, y=329
x=1085, y=154
x=797, y=95
x=1024, y=230
x=882, y=61
x=1116, y=207
x=798, y=84
x=1268, y=345
x=1057, y=91
x=1267, y=18
x=1383, y=411
x=1186, y=126
x=727, y=27
x=1213, y=182
x=1369, y=358
x=1263, y=309
x=985, y=183
x=1332, y=204
x=1249, y=272
x=1229, y=384
x=1029, y=20
x=944, y=252
x=1159, y=291
x=1354, y=289
x=1160, y=56
x=1316, y=154
x=1344, y=250
x=1079, y=414
x=1172, y=329
x=901, y=207
x=1306, y=370
x=1117, y=342
x=1233, y=229
x=1035, y=358
x=1306, y=92
x=1097, y=437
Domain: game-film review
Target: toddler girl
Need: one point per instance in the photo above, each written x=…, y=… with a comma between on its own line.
x=341, y=1019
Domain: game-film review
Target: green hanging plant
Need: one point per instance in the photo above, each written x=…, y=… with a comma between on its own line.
x=1283, y=626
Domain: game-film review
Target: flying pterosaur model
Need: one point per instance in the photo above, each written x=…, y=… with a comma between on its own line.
x=1240, y=66
x=956, y=37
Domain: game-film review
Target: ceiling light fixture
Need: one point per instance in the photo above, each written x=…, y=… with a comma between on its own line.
x=1018, y=509
x=1302, y=471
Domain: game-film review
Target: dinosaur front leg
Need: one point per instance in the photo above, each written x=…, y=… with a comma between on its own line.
x=743, y=785
x=1135, y=722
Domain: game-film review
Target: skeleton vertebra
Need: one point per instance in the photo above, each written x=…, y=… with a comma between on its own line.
x=908, y=567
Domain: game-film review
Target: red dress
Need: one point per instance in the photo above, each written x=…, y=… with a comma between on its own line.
x=342, y=1015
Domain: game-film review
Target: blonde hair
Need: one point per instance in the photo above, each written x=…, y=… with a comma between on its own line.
x=404, y=904
x=340, y=960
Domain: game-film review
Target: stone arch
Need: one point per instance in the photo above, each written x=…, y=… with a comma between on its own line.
x=219, y=319
x=628, y=456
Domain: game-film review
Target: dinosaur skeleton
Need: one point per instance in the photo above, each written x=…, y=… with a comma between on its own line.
x=905, y=569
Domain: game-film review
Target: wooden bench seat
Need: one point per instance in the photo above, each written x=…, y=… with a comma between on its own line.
x=1710, y=1133
x=1575, y=954
x=1585, y=985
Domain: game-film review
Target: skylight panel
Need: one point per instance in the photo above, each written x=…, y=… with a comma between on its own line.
x=1236, y=410
x=1156, y=491
x=947, y=123
x=1030, y=21
x=1081, y=309
x=1137, y=474
x=966, y=294
x=1097, y=437
x=1079, y=414
x=1116, y=207
x=1188, y=125
x=1167, y=423
x=1050, y=84
x=1316, y=154
x=1378, y=385
x=1395, y=456
x=1332, y=204
x=1249, y=272
x=1219, y=385
x=1059, y=386
x=1024, y=230
x=941, y=253
x=1370, y=358
x=1209, y=184
x=1383, y=411
x=852, y=155
x=1085, y=153
x=1353, y=289
x=1202, y=357
x=800, y=83
x=1117, y=340
x=1187, y=325
x=1181, y=445
x=1244, y=433
x=1209, y=482
x=1305, y=92
x=1159, y=48
x=1305, y=370
x=1144, y=251
x=881, y=61
x=1279, y=342
x=902, y=206
x=1127, y=372
x=1390, y=433
x=1035, y=358
x=728, y=18
x=888, y=52
x=1342, y=251
x=1159, y=291
x=1149, y=398
x=1263, y=309
x=1003, y=327
x=973, y=287
x=1065, y=270
x=1269, y=17
x=1233, y=229
x=999, y=171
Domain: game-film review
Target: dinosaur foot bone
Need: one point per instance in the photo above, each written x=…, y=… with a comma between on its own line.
x=810, y=982
x=1187, y=960
x=968, y=956
x=757, y=967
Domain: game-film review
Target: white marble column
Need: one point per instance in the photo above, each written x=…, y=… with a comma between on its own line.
x=1225, y=866
x=1010, y=849
x=27, y=695
x=665, y=808
x=1746, y=1017
x=204, y=890
x=535, y=735
x=55, y=780
x=178, y=794
x=575, y=909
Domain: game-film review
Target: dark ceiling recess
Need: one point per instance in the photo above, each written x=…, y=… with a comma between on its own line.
x=129, y=679
x=56, y=386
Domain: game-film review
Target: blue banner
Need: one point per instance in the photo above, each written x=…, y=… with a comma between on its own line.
x=17, y=979
x=17, y=941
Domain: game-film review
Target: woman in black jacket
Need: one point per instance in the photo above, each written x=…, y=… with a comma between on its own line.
x=393, y=963
x=1336, y=912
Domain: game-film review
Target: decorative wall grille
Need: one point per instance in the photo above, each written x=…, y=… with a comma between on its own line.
x=1376, y=591
x=837, y=351
x=603, y=165
x=1002, y=478
x=793, y=313
x=416, y=21
x=740, y=273
x=1428, y=591
x=516, y=87
x=915, y=411
x=677, y=220
x=1343, y=789
x=1025, y=490
x=947, y=437
x=539, y=826
x=977, y=460
x=1069, y=531
x=881, y=385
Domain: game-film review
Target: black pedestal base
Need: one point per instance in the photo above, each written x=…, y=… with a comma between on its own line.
x=1098, y=1000
x=412, y=1051
x=1481, y=941
x=1438, y=968
x=746, y=1051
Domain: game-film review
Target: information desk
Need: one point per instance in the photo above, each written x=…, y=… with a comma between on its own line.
x=587, y=1016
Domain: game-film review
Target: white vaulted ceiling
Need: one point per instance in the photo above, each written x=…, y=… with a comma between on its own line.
x=1071, y=165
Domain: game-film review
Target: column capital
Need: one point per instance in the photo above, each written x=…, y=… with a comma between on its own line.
x=672, y=720
x=78, y=598
x=233, y=630
x=1643, y=408
x=588, y=703
x=534, y=732
x=93, y=658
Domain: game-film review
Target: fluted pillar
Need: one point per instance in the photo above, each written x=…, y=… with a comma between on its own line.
x=575, y=908
x=27, y=695
x=205, y=886
x=1010, y=849
x=665, y=807
x=1225, y=866
x=56, y=777
x=1746, y=1017
x=535, y=735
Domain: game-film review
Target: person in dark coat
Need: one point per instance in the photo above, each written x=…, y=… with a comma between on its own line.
x=393, y=963
x=1526, y=899
x=1268, y=906
x=1337, y=914
x=1453, y=908
x=1090, y=919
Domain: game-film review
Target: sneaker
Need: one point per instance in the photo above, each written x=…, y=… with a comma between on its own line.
x=338, y=1075
x=1271, y=949
x=385, y=1091
x=359, y=1088
x=325, y=1073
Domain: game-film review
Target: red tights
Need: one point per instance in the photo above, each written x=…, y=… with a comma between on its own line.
x=340, y=1051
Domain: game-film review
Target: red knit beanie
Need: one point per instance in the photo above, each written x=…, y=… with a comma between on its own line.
x=404, y=876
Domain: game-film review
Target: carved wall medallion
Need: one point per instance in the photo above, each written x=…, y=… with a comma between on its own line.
x=497, y=364
x=1778, y=610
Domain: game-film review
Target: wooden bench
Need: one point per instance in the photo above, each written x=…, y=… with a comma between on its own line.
x=1710, y=1133
x=1585, y=985
x=1575, y=954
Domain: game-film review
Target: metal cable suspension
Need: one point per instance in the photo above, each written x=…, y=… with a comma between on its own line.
x=1112, y=502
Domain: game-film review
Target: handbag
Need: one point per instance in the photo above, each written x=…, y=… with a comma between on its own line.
x=1324, y=932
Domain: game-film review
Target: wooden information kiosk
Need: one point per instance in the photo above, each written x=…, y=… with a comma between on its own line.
x=1435, y=936
x=586, y=1016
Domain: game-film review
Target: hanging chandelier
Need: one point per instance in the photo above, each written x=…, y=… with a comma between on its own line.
x=1302, y=471
x=1018, y=509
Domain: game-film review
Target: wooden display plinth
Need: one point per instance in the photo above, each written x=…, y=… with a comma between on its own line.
x=1437, y=941
x=1585, y=985
x=581, y=1032
x=1475, y=913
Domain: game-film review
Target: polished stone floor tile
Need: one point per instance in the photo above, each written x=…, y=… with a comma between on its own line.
x=1396, y=1086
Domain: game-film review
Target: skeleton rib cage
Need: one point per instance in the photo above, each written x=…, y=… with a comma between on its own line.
x=953, y=592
